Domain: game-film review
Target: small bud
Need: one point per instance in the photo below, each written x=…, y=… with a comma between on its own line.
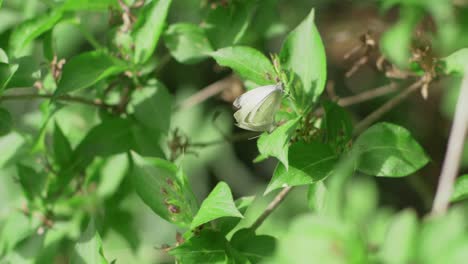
x=173, y=209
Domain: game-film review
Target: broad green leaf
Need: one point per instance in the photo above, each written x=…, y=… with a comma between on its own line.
x=455, y=63
x=27, y=250
x=337, y=126
x=276, y=144
x=112, y=174
x=16, y=228
x=303, y=54
x=440, y=236
x=164, y=188
x=249, y=63
x=94, y=5
x=208, y=247
x=151, y=21
x=152, y=107
x=308, y=163
x=31, y=181
x=61, y=146
x=255, y=247
x=395, y=43
x=319, y=239
x=6, y=122
x=147, y=141
x=31, y=29
x=389, y=150
x=401, y=240
x=187, y=43
x=89, y=250
x=361, y=200
x=112, y=136
x=24, y=72
x=460, y=191
x=225, y=26
x=317, y=196
x=7, y=71
x=219, y=203
x=87, y=69
x=226, y=224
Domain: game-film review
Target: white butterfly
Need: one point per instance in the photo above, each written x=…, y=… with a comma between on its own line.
x=258, y=107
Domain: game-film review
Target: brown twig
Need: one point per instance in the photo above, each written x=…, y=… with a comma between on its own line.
x=66, y=98
x=271, y=207
x=454, y=152
x=374, y=116
x=207, y=92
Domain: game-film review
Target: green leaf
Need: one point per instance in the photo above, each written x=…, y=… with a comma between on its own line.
x=361, y=200
x=91, y=5
x=7, y=71
x=152, y=22
x=164, y=188
x=153, y=106
x=255, y=247
x=389, y=150
x=225, y=26
x=89, y=250
x=440, y=237
x=319, y=239
x=249, y=63
x=303, y=54
x=308, y=163
x=226, y=224
x=401, y=241
x=87, y=69
x=112, y=173
x=317, y=196
x=16, y=228
x=337, y=125
x=187, y=43
x=395, y=43
x=208, y=247
x=24, y=72
x=455, y=63
x=31, y=181
x=61, y=146
x=276, y=144
x=460, y=191
x=147, y=141
x=31, y=29
x=6, y=122
x=219, y=203
x=112, y=136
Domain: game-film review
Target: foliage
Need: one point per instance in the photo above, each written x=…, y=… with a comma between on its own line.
x=108, y=154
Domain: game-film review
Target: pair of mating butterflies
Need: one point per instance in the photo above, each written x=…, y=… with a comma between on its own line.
x=257, y=108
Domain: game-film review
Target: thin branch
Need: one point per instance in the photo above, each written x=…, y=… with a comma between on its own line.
x=364, y=96
x=271, y=207
x=368, y=95
x=374, y=116
x=233, y=138
x=66, y=98
x=207, y=92
x=454, y=152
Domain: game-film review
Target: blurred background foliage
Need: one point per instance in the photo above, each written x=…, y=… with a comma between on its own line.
x=131, y=232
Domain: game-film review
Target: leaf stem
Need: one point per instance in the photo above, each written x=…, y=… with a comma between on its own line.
x=271, y=207
x=454, y=151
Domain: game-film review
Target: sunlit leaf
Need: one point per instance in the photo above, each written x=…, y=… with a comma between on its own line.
x=219, y=203
x=249, y=63
x=87, y=69
x=152, y=23
x=389, y=150
x=187, y=43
